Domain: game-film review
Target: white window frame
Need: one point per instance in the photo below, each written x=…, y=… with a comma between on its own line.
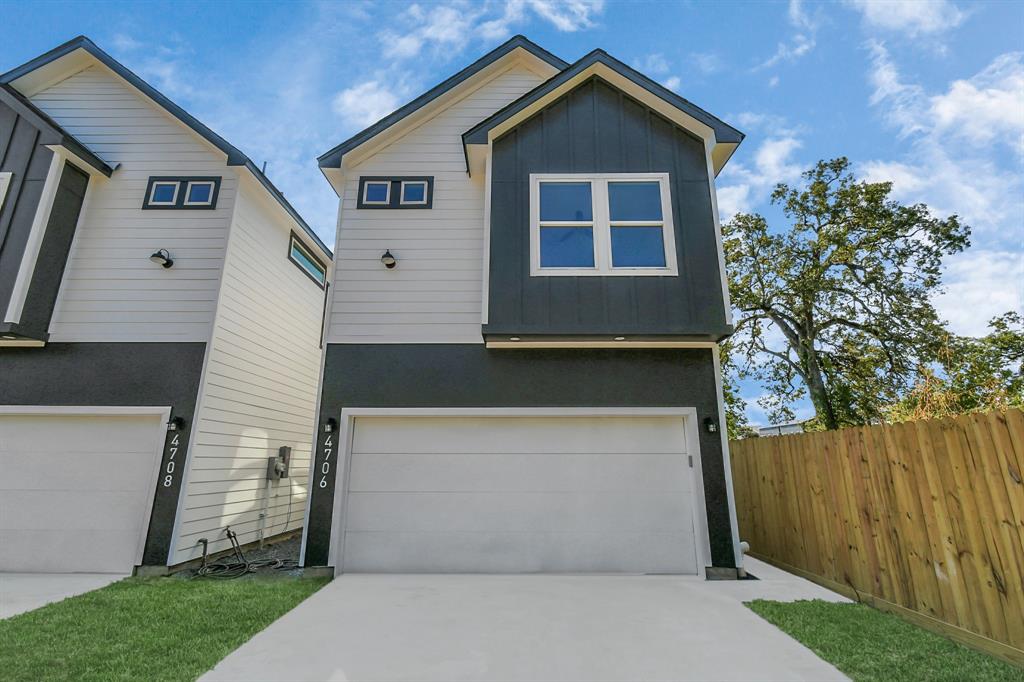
x=387, y=195
x=602, y=226
x=188, y=190
x=5, y=182
x=158, y=183
x=401, y=194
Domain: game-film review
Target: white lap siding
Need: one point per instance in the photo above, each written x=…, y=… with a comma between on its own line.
x=434, y=295
x=111, y=291
x=260, y=387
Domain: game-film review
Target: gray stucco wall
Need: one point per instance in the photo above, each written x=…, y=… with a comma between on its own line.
x=471, y=375
x=596, y=128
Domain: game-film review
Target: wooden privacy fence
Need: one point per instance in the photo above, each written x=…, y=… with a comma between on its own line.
x=925, y=519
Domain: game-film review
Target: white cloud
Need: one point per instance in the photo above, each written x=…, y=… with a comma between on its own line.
x=803, y=40
x=653, y=64
x=365, y=103
x=707, y=62
x=567, y=15
x=742, y=187
x=910, y=18
x=672, y=83
x=981, y=284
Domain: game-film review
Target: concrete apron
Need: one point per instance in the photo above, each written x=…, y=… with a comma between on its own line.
x=532, y=627
x=21, y=592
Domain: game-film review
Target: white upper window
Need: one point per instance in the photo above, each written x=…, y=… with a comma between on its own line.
x=199, y=193
x=377, y=192
x=163, y=194
x=414, y=192
x=601, y=224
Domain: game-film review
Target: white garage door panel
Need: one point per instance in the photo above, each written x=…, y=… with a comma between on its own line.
x=511, y=472
x=520, y=553
x=519, y=494
x=75, y=490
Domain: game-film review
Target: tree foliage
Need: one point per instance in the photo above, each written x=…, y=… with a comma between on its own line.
x=837, y=306
x=972, y=374
x=736, y=422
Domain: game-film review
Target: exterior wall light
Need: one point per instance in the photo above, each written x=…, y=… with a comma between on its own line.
x=162, y=257
x=711, y=425
x=331, y=425
x=388, y=260
x=176, y=424
x=619, y=338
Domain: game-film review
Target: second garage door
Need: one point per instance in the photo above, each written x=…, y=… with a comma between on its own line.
x=75, y=490
x=519, y=495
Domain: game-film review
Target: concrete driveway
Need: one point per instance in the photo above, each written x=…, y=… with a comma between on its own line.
x=531, y=627
x=21, y=592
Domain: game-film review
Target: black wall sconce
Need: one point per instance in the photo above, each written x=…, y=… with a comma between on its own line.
x=176, y=424
x=389, y=260
x=711, y=425
x=162, y=257
x=331, y=425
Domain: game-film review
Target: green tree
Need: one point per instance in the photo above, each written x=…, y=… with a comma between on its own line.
x=837, y=306
x=972, y=375
x=736, y=423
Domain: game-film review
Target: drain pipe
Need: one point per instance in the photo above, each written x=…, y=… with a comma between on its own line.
x=263, y=514
x=741, y=572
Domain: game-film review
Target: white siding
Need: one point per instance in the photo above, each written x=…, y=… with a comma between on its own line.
x=260, y=386
x=110, y=290
x=434, y=295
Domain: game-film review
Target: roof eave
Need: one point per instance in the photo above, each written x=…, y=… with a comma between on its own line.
x=332, y=158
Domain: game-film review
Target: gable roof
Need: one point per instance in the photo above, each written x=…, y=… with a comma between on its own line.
x=235, y=157
x=24, y=107
x=724, y=133
x=332, y=158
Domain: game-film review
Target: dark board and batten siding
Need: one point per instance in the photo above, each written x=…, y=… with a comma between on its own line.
x=28, y=161
x=471, y=375
x=595, y=128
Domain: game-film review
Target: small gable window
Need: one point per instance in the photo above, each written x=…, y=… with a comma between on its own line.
x=396, y=192
x=601, y=224
x=169, y=193
x=299, y=254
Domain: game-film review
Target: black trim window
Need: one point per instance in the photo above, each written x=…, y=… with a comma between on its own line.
x=396, y=192
x=304, y=259
x=188, y=193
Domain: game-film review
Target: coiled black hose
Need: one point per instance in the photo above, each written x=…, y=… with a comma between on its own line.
x=236, y=565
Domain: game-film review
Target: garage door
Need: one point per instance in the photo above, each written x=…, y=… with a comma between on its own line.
x=519, y=495
x=74, y=491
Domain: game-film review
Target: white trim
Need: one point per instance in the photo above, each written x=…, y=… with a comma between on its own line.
x=346, y=428
x=5, y=182
x=401, y=193
x=20, y=343
x=387, y=194
x=188, y=190
x=726, y=461
x=87, y=200
x=158, y=183
x=485, y=308
x=602, y=225
x=110, y=411
x=19, y=292
x=708, y=144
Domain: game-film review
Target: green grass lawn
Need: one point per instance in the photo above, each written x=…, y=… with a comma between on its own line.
x=144, y=628
x=871, y=646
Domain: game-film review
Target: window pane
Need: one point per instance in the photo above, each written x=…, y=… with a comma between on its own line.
x=634, y=200
x=300, y=257
x=199, y=193
x=565, y=201
x=566, y=247
x=164, y=192
x=376, y=191
x=638, y=247
x=414, y=192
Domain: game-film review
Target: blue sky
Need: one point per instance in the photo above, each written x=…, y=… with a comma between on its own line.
x=927, y=94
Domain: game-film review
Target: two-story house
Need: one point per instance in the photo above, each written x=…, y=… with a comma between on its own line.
x=521, y=369
x=161, y=307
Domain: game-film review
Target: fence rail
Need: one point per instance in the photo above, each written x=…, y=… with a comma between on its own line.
x=924, y=518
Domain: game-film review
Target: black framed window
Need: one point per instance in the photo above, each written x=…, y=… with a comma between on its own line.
x=181, y=193
x=304, y=259
x=396, y=192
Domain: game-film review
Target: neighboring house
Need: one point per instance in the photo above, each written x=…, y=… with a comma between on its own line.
x=521, y=368
x=162, y=310
x=781, y=429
